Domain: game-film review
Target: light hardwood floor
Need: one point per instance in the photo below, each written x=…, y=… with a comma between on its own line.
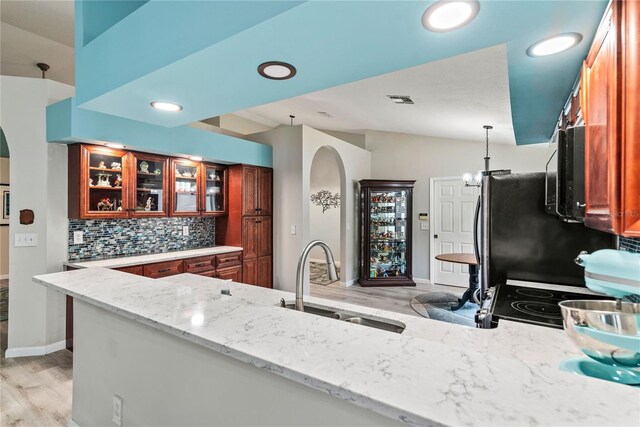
x=34, y=391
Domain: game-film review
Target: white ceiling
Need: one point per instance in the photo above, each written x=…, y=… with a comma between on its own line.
x=37, y=31
x=453, y=98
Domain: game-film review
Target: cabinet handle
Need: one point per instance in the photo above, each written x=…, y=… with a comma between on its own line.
x=202, y=264
x=165, y=270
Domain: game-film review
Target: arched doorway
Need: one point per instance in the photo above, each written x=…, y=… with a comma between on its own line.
x=4, y=239
x=326, y=211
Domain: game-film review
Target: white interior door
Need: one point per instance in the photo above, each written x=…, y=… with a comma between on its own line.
x=452, y=211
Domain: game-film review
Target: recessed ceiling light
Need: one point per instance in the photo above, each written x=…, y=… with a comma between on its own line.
x=196, y=158
x=400, y=99
x=111, y=145
x=166, y=106
x=447, y=15
x=276, y=70
x=554, y=44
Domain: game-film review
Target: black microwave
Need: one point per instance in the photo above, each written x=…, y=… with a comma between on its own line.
x=565, y=187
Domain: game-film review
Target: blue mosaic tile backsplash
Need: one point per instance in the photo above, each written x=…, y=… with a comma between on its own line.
x=630, y=244
x=119, y=237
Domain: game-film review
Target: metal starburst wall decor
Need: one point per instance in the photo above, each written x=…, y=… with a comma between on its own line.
x=326, y=199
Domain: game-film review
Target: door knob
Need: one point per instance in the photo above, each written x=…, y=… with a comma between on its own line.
x=435, y=236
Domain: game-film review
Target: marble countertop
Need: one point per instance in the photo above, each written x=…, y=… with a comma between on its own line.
x=433, y=373
x=126, y=261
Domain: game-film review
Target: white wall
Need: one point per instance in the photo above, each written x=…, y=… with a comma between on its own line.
x=325, y=175
x=38, y=182
x=4, y=231
x=294, y=148
x=402, y=156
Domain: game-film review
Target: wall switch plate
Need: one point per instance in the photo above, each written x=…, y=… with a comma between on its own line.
x=185, y=230
x=293, y=229
x=117, y=410
x=78, y=237
x=25, y=239
x=424, y=226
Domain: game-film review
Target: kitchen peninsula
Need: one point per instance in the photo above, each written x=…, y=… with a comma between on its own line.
x=178, y=351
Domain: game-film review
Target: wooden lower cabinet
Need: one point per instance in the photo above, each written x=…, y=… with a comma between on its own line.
x=163, y=269
x=133, y=269
x=230, y=273
x=265, y=272
x=200, y=264
x=250, y=271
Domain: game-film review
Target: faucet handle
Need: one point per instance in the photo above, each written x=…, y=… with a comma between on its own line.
x=282, y=303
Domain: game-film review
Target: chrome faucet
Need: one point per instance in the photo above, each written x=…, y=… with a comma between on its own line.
x=331, y=269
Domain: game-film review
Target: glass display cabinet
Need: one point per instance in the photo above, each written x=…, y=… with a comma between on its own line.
x=97, y=175
x=385, y=236
x=186, y=187
x=214, y=190
x=149, y=173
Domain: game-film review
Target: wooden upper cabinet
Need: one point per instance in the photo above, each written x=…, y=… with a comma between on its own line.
x=265, y=183
x=610, y=90
x=214, y=190
x=97, y=184
x=108, y=183
x=250, y=190
x=257, y=190
x=186, y=177
x=149, y=175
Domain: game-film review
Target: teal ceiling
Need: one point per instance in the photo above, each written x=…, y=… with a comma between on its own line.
x=204, y=54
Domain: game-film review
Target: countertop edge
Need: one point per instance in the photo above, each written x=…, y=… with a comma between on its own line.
x=128, y=261
x=361, y=400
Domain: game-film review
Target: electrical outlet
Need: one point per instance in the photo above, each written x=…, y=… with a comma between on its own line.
x=424, y=226
x=78, y=237
x=293, y=229
x=117, y=410
x=25, y=239
x=185, y=230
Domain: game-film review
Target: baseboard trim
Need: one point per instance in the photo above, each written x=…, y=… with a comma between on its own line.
x=72, y=423
x=420, y=281
x=351, y=282
x=35, y=351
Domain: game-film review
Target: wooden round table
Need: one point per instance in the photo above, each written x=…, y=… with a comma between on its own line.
x=472, y=262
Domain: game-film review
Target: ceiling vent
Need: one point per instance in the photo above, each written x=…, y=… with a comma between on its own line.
x=400, y=99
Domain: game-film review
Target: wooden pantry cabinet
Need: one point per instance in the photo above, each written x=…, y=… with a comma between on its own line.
x=610, y=91
x=249, y=221
x=109, y=183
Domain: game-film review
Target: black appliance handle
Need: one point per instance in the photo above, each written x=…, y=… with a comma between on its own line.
x=476, y=216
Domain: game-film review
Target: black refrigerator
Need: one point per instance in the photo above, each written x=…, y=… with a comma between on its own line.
x=522, y=241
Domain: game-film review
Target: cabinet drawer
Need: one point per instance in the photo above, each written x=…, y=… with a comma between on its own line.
x=132, y=269
x=163, y=269
x=229, y=260
x=200, y=264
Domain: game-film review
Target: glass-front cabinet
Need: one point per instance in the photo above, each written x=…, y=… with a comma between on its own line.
x=150, y=175
x=215, y=194
x=99, y=181
x=385, y=241
x=186, y=176
x=111, y=183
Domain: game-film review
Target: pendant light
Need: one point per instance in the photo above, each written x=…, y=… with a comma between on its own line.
x=476, y=180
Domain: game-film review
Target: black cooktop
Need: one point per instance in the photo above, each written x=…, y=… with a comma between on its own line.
x=533, y=305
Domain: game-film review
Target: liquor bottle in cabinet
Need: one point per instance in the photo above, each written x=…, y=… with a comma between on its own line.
x=385, y=236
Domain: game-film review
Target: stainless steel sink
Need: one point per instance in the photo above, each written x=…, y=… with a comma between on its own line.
x=349, y=316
